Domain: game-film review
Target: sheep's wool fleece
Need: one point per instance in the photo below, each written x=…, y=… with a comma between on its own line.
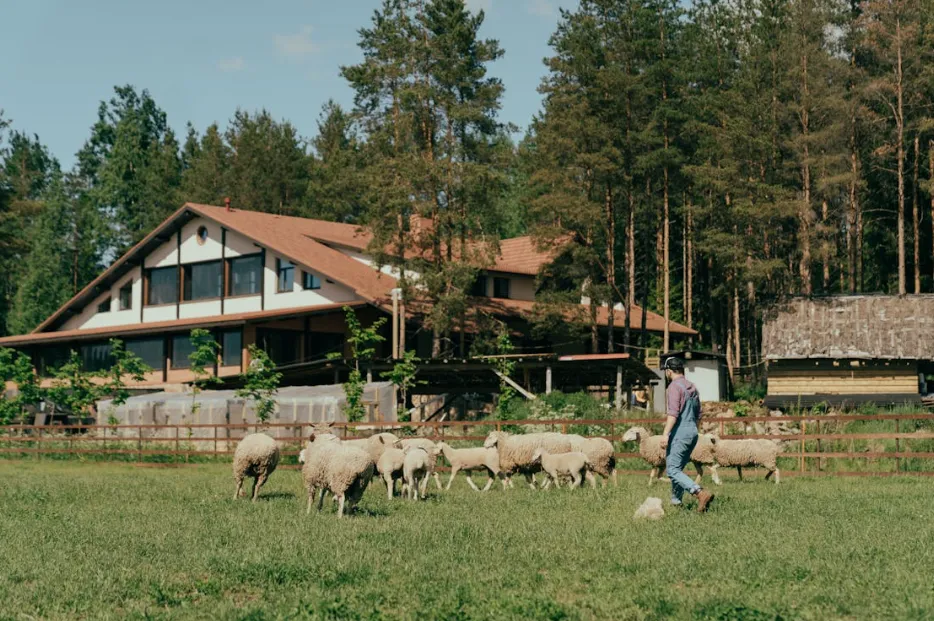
x=650, y=448
x=516, y=451
x=651, y=509
x=747, y=453
x=256, y=454
x=599, y=452
x=336, y=467
x=375, y=445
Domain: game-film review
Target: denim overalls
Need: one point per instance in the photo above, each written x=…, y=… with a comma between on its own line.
x=681, y=443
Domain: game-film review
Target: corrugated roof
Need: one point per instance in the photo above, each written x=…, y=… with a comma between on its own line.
x=173, y=324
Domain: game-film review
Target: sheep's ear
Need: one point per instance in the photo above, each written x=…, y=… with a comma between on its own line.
x=381, y=439
x=311, y=438
x=714, y=439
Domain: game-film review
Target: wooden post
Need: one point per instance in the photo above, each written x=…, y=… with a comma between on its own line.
x=548, y=380
x=898, y=461
x=820, y=460
x=177, y=450
x=619, y=388
x=215, y=441
x=139, y=443
x=803, y=431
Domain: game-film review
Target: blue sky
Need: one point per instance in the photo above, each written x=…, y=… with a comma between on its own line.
x=201, y=59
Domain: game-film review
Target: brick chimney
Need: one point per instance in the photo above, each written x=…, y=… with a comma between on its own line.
x=227, y=203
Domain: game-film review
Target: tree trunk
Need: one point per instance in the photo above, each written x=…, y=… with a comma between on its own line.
x=916, y=216
x=610, y=270
x=825, y=248
x=594, y=329
x=631, y=247
x=804, y=213
x=689, y=266
x=900, y=154
x=736, y=323
x=666, y=248
x=931, y=190
x=853, y=208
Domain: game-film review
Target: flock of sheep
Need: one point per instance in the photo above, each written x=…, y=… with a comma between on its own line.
x=344, y=468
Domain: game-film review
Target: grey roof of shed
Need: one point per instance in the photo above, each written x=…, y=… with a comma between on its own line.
x=853, y=326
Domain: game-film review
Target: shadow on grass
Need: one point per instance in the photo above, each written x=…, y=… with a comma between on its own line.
x=278, y=496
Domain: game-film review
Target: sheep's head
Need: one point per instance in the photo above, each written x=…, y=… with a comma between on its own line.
x=494, y=438
x=322, y=437
x=388, y=439
x=634, y=434
x=301, y=456
x=537, y=455
x=434, y=452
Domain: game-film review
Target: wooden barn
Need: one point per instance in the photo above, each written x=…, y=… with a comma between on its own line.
x=848, y=350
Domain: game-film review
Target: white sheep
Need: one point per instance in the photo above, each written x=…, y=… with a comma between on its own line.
x=389, y=468
x=332, y=466
x=469, y=460
x=574, y=465
x=426, y=444
x=375, y=444
x=257, y=456
x=601, y=455
x=417, y=467
x=515, y=452
x=747, y=453
x=650, y=449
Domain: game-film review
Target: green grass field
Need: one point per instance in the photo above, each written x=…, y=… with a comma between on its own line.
x=83, y=541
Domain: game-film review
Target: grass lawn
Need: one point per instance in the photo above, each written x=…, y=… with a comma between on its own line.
x=119, y=541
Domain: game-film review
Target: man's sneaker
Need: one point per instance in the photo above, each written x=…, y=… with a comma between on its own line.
x=704, y=498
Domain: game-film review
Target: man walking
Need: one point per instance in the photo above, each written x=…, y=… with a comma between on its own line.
x=680, y=435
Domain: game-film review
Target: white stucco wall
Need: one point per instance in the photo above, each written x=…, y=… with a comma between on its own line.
x=705, y=375
x=90, y=318
x=329, y=293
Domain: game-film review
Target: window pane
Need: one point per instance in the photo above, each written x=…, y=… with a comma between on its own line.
x=151, y=351
x=286, y=272
x=281, y=345
x=203, y=280
x=163, y=285
x=96, y=357
x=500, y=287
x=479, y=286
x=126, y=296
x=320, y=344
x=245, y=275
x=311, y=281
x=104, y=307
x=51, y=358
x=231, y=347
x=181, y=349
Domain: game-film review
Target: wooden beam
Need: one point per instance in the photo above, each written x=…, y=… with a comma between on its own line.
x=548, y=380
x=619, y=388
x=522, y=391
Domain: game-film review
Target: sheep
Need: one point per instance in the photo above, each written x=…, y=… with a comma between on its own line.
x=417, y=467
x=389, y=468
x=574, y=464
x=375, y=444
x=470, y=459
x=744, y=453
x=257, y=456
x=600, y=453
x=650, y=448
x=426, y=444
x=332, y=466
x=515, y=452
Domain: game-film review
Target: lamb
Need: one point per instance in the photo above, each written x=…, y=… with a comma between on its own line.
x=389, y=467
x=650, y=448
x=470, y=459
x=574, y=464
x=332, y=466
x=426, y=444
x=257, y=456
x=515, y=452
x=418, y=464
x=600, y=453
x=375, y=444
x=744, y=453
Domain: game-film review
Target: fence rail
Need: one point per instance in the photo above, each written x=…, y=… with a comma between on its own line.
x=810, y=441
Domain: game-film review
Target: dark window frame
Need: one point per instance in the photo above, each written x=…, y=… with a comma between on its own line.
x=187, y=280
x=229, y=284
x=314, y=279
x=130, y=343
x=497, y=283
x=104, y=307
x=127, y=290
x=477, y=290
x=185, y=363
x=285, y=269
x=149, y=288
x=222, y=339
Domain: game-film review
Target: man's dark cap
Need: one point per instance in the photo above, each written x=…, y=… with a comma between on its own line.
x=674, y=364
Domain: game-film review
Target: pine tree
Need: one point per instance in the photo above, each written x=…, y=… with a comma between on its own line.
x=206, y=167
x=335, y=185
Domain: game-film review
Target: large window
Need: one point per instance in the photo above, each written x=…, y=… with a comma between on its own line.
x=310, y=281
x=245, y=275
x=479, y=286
x=203, y=280
x=181, y=349
x=231, y=347
x=150, y=350
x=500, y=287
x=126, y=296
x=96, y=357
x=286, y=275
x=163, y=285
x=281, y=345
x=320, y=344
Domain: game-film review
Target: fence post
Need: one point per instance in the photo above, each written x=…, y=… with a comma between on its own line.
x=139, y=443
x=820, y=461
x=804, y=426
x=39, y=446
x=215, y=443
x=898, y=460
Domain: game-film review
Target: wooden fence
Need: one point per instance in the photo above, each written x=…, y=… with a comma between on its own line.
x=811, y=443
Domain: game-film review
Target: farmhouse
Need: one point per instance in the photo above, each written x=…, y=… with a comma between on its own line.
x=279, y=282
x=846, y=350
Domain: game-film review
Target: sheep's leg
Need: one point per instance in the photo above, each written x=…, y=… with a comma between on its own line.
x=615, y=480
x=548, y=483
x=489, y=483
x=593, y=479
x=239, y=491
x=715, y=475
x=260, y=482
x=321, y=498
x=311, y=495
x=576, y=479
x=437, y=478
x=653, y=474
x=340, y=506
x=454, y=471
x=700, y=472
x=739, y=471
x=424, y=485
x=470, y=482
x=776, y=476
x=530, y=479
x=390, y=484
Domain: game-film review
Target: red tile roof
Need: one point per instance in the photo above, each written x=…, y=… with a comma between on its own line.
x=173, y=324
x=520, y=255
